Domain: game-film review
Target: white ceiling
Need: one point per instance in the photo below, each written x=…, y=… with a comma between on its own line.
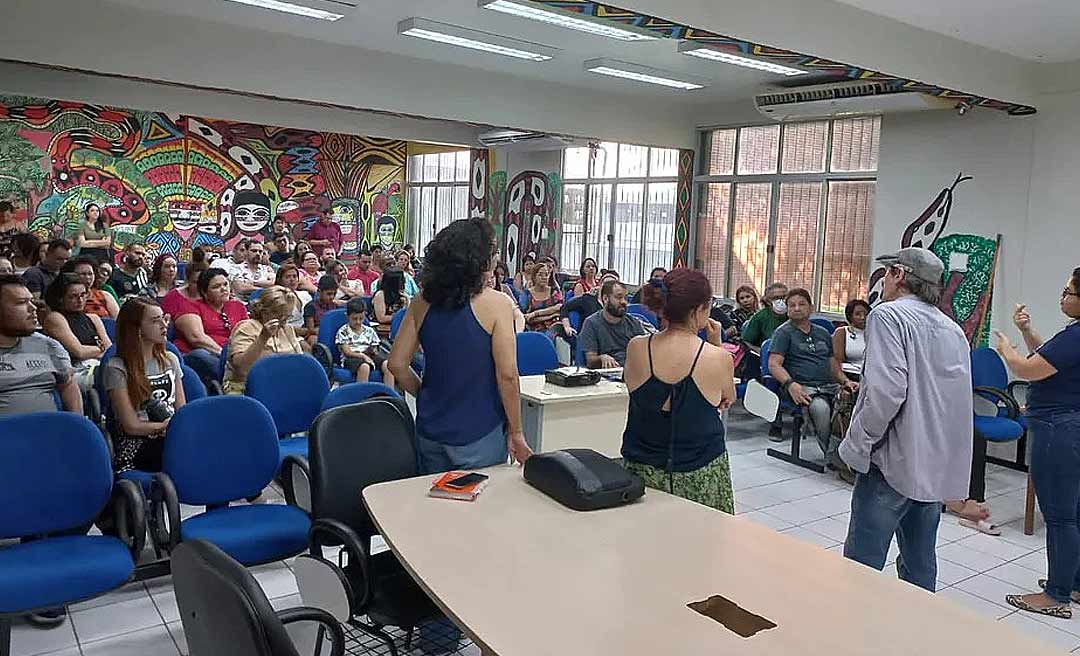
x=373, y=26
x=1036, y=30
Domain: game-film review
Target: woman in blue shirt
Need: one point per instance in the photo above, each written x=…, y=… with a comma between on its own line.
x=1053, y=418
x=468, y=407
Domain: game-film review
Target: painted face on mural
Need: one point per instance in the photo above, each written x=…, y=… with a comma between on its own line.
x=386, y=228
x=251, y=212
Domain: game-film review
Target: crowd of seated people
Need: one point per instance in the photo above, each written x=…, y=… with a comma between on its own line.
x=204, y=325
x=98, y=301
x=81, y=334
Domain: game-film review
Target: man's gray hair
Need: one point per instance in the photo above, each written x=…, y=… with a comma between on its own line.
x=925, y=291
x=776, y=285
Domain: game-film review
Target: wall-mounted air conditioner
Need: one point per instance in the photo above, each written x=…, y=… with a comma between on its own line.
x=845, y=98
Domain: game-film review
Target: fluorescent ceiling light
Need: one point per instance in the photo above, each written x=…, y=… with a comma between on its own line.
x=629, y=71
x=423, y=28
x=291, y=8
x=526, y=9
x=712, y=54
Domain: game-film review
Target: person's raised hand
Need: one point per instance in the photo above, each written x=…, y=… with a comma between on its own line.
x=713, y=332
x=1001, y=342
x=1021, y=318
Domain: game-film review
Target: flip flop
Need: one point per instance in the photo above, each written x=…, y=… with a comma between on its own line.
x=1074, y=595
x=1063, y=611
x=982, y=526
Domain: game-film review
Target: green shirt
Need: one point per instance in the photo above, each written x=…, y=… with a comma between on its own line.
x=761, y=326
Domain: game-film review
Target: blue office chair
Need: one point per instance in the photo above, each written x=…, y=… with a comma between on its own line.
x=57, y=476
x=824, y=323
x=217, y=450
x=576, y=320
x=639, y=310
x=110, y=328
x=292, y=387
x=997, y=417
x=255, y=294
x=535, y=354
x=193, y=386
x=569, y=295
x=355, y=393
x=327, y=350
x=395, y=323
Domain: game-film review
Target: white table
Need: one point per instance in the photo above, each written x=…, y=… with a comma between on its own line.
x=524, y=576
x=555, y=417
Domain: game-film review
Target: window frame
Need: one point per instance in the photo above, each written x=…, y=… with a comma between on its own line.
x=415, y=229
x=702, y=179
x=568, y=266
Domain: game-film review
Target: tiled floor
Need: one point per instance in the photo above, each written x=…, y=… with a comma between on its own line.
x=973, y=569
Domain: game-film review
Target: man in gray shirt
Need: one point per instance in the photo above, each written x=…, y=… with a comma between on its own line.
x=32, y=366
x=910, y=437
x=605, y=335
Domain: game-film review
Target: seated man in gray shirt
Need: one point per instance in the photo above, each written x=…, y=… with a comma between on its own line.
x=801, y=360
x=32, y=366
x=605, y=335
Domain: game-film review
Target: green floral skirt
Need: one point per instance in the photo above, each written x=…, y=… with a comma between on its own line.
x=709, y=486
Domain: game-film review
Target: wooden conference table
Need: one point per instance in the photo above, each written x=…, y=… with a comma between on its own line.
x=524, y=576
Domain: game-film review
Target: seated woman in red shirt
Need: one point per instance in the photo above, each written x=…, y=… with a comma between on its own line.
x=204, y=326
x=175, y=302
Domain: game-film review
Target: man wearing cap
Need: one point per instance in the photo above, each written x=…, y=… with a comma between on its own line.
x=910, y=437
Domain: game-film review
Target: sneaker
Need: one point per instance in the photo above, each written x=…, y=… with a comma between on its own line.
x=48, y=618
x=776, y=434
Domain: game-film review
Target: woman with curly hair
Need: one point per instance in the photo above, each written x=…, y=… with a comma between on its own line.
x=468, y=408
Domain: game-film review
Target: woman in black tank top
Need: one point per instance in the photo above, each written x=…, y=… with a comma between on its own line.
x=82, y=335
x=679, y=385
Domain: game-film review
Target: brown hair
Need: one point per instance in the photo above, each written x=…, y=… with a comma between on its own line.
x=684, y=290
x=129, y=348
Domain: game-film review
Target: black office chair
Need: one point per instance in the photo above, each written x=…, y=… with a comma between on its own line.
x=226, y=613
x=352, y=447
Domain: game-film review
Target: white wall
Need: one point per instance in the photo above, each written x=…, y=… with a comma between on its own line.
x=921, y=153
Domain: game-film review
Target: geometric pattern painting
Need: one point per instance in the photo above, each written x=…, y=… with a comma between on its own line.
x=479, y=159
x=671, y=30
x=683, y=198
x=174, y=182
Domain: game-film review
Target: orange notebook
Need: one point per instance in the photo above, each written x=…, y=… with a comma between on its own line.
x=445, y=489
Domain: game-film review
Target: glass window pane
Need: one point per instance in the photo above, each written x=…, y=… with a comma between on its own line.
x=444, y=207
x=431, y=167
x=573, y=226
x=412, y=214
x=603, y=164
x=629, y=202
x=633, y=161
x=427, y=215
x=855, y=144
x=461, y=203
x=416, y=168
x=596, y=245
x=750, y=239
x=758, y=149
x=575, y=163
x=797, y=234
x=722, y=152
x=462, y=174
x=447, y=167
x=664, y=162
x=712, y=234
x=804, y=147
x=849, y=233
x=659, y=227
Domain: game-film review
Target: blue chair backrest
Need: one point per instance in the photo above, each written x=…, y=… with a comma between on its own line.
x=55, y=470
x=987, y=369
x=395, y=323
x=170, y=347
x=328, y=327
x=765, y=357
x=170, y=332
x=110, y=328
x=181, y=271
x=576, y=320
x=523, y=299
x=824, y=323
x=193, y=386
x=292, y=387
x=223, y=359
x=219, y=449
x=569, y=295
x=355, y=393
x=255, y=294
x=640, y=310
x=535, y=354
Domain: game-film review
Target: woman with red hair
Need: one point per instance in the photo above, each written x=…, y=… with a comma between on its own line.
x=679, y=384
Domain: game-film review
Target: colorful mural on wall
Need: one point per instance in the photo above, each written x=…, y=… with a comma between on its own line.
x=175, y=182
x=479, y=168
x=529, y=210
x=683, y=199
x=970, y=265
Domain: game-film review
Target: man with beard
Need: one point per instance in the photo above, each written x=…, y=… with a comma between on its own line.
x=606, y=334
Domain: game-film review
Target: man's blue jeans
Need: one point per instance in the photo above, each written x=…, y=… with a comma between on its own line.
x=877, y=513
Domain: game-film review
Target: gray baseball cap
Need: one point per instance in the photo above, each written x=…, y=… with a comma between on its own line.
x=919, y=262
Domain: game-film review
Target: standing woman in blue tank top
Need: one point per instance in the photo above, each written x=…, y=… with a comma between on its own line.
x=679, y=384
x=468, y=407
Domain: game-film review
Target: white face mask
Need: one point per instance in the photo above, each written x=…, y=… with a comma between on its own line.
x=779, y=306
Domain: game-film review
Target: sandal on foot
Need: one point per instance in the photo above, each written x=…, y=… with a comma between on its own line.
x=1062, y=611
x=1074, y=595
x=982, y=526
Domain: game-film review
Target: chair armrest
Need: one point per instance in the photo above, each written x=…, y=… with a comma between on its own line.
x=1001, y=397
x=353, y=545
x=321, y=352
x=129, y=506
x=164, y=507
x=1015, y=385
x=321, y=617
x=287, y=482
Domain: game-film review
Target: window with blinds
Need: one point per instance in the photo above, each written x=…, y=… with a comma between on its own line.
x=791, y=203
x=438, y=191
